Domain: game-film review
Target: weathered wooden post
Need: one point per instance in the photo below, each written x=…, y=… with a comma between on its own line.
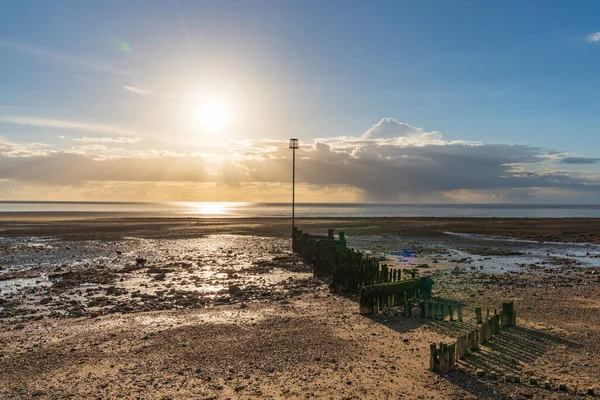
x=478, y=315
x=508, y=316
x=460, y=315
x=433, y=360
x=451, y=312
x=461, y=346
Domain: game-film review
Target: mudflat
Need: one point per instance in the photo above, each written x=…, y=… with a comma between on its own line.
x=106, y=226
x=105, y=307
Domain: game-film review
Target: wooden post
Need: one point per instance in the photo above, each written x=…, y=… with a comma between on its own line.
x=460, y=315
x=478, y=314
x=451, y=312
x=433, y=359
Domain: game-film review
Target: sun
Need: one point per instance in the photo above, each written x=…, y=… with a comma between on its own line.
x=213, y=115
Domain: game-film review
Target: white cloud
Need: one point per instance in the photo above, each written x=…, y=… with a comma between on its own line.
x=593, y=37
x=390, y=128
x=65, y=59
x=65, y=124
x=137, y=90
x=125, y=140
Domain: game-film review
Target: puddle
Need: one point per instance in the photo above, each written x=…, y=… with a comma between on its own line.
x=11, y=287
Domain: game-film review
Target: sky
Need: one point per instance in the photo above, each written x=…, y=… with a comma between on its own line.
x=392, y=101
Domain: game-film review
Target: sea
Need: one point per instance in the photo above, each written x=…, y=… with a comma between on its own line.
x=283, y=210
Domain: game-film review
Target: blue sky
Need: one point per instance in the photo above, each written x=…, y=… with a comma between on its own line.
x=509, y=73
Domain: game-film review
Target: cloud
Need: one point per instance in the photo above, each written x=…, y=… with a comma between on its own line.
x=124, y=140
x=389, y=128
x=593, y=37
x=414, y=166
x=137, y=90
x=65, y=124
x=580, y=160
x=65, y=168
x=64, y=59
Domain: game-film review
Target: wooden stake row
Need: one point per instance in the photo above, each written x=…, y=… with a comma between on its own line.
x=443, y=359
x=348, y=269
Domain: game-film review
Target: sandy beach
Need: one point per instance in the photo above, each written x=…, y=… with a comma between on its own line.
x=220, y=308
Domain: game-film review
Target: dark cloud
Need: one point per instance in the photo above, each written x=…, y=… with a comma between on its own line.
x=386, y=172
x=69, y=169
x=579, y=160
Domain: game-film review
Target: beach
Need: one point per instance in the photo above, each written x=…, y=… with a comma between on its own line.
x=101, y=306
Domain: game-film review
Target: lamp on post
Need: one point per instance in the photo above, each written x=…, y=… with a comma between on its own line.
x=293, y=145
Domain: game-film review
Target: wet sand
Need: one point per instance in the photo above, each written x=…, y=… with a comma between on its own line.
x=190, y=308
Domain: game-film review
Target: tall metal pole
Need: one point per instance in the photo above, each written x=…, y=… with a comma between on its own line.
x=294, y=145
x=293, y=188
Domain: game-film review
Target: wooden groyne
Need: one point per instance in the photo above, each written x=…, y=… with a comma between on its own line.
x=398, y=293
x=352, y=271
x=443, y=357
x=381, y=288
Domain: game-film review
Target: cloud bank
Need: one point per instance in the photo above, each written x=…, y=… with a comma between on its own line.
x=392, y=161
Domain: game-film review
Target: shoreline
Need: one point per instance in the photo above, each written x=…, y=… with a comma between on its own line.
x=108, y=325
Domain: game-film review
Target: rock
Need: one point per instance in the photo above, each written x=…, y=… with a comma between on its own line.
x=140, y=261
x=405, y=340
x=240, y=388
x=160, y=277
x=37, y=393
x=562, y=387
x=234, y=289
x=243, y=306
x=533, y=381
x=45, y=301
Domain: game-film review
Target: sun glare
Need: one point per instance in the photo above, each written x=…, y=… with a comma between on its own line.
x=214, y=115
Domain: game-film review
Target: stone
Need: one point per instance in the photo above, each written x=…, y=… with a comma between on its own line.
x=533, y=381
x=562, y=387
x=45, y=300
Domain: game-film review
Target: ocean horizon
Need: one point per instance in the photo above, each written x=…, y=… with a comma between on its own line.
x=316, y=210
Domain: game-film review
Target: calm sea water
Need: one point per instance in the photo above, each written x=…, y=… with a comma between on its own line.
x=304, y=209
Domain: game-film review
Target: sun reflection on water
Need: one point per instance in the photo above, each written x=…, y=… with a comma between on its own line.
x=211, y=209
